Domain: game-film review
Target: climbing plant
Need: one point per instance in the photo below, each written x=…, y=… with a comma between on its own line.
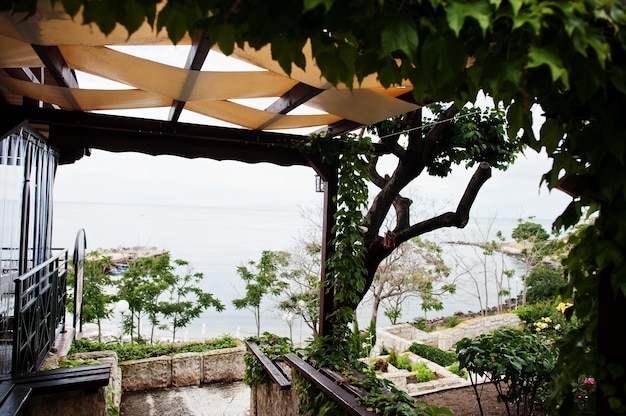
x=567, y=56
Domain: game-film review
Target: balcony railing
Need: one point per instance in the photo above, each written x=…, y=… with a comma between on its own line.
x=40, y=300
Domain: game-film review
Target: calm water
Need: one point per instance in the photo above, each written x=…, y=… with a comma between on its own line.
x=216, y=240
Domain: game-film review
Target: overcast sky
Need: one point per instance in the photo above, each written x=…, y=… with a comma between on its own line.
x=145, y=179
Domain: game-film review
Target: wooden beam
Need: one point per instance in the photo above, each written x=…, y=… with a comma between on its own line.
x=200, y=47
x=54, y=61
x=75, y=132
x=295, y=97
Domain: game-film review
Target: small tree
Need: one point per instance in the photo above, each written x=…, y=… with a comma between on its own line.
x=484, y=269
x=535, y=246
x=415, y=269
x=142, y=285
x=302, y=284
x=96, y=301
x=543, y=284
x=261, y=279
x=185, y=300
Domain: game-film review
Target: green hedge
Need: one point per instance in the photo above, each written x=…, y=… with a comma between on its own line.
x=433, y=354
x=128, y=352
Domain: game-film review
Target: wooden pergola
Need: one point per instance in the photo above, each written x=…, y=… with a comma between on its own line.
x=40, y=57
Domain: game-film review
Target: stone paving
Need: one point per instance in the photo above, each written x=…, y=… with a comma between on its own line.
x=217, y=399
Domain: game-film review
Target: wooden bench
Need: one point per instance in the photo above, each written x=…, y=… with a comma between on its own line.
x=85, y=377
x=12, y=398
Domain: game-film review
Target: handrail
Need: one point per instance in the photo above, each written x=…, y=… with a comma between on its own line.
x=40, y=300
x=347, y=401
x=270, y=367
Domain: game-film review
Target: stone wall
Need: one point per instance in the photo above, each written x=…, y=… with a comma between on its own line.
x=400, y=337
x=187, y=369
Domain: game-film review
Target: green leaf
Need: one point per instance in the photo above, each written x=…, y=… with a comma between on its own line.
x=100, y=13
x=174, y=19
x=546, y=56
x=71, y=6
x=551, y=134
x=400, y=36
x=312, y=4
x=225, y=37
x=457, y=12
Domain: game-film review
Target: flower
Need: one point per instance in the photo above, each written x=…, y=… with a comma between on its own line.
x=563, y=306
x=547, y=319
x=589, y=381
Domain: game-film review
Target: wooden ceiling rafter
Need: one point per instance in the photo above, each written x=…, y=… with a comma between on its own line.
x=200, y=47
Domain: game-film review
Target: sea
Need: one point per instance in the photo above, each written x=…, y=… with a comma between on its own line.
x=216, y=240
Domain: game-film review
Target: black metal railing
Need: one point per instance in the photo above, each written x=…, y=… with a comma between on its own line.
x=40, y=300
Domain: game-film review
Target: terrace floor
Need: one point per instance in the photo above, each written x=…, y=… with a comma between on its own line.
x=218, y=399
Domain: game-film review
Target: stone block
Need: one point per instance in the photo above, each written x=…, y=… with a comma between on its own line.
x=186, y=369
x=146, y=374
x=223, y=365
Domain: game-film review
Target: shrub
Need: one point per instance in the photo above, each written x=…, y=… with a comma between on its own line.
x=128, y=352
x=533, y=313
x=455, y=369
x=422, y=372
x=434, y=354
x=452, y=321
x=519, y=364
x=402, y=363
x=421, y=323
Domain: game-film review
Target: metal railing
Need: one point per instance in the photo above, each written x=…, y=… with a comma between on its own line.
x=40, y=300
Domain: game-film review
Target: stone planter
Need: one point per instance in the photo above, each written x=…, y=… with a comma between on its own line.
x=444, y=379
x=186, y=369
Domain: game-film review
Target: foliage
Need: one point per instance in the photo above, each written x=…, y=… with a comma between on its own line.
x=346, y=272
x=543, y=284
x=528, y=231
x=461, y=372
x=535, y=247
x=73, y=362
x=261, y=279
x=533, y=313
x=566, y=56
x=145, y=281
x=412, y=270
x=423, y=374
x=474, y=136
x=421, y=323
x=274, y=347
x=452, y=321
x=185, y=300
x=128, y=352
x=96, y=301
x=434, y=354
x=301, y=295
x=519, y=364
x=152, y=286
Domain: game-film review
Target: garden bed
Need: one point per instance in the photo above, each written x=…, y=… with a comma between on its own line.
x=407, y=379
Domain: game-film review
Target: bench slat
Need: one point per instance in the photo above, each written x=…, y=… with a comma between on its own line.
x=14, y=400
x=86, y=377
x=65, y=372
